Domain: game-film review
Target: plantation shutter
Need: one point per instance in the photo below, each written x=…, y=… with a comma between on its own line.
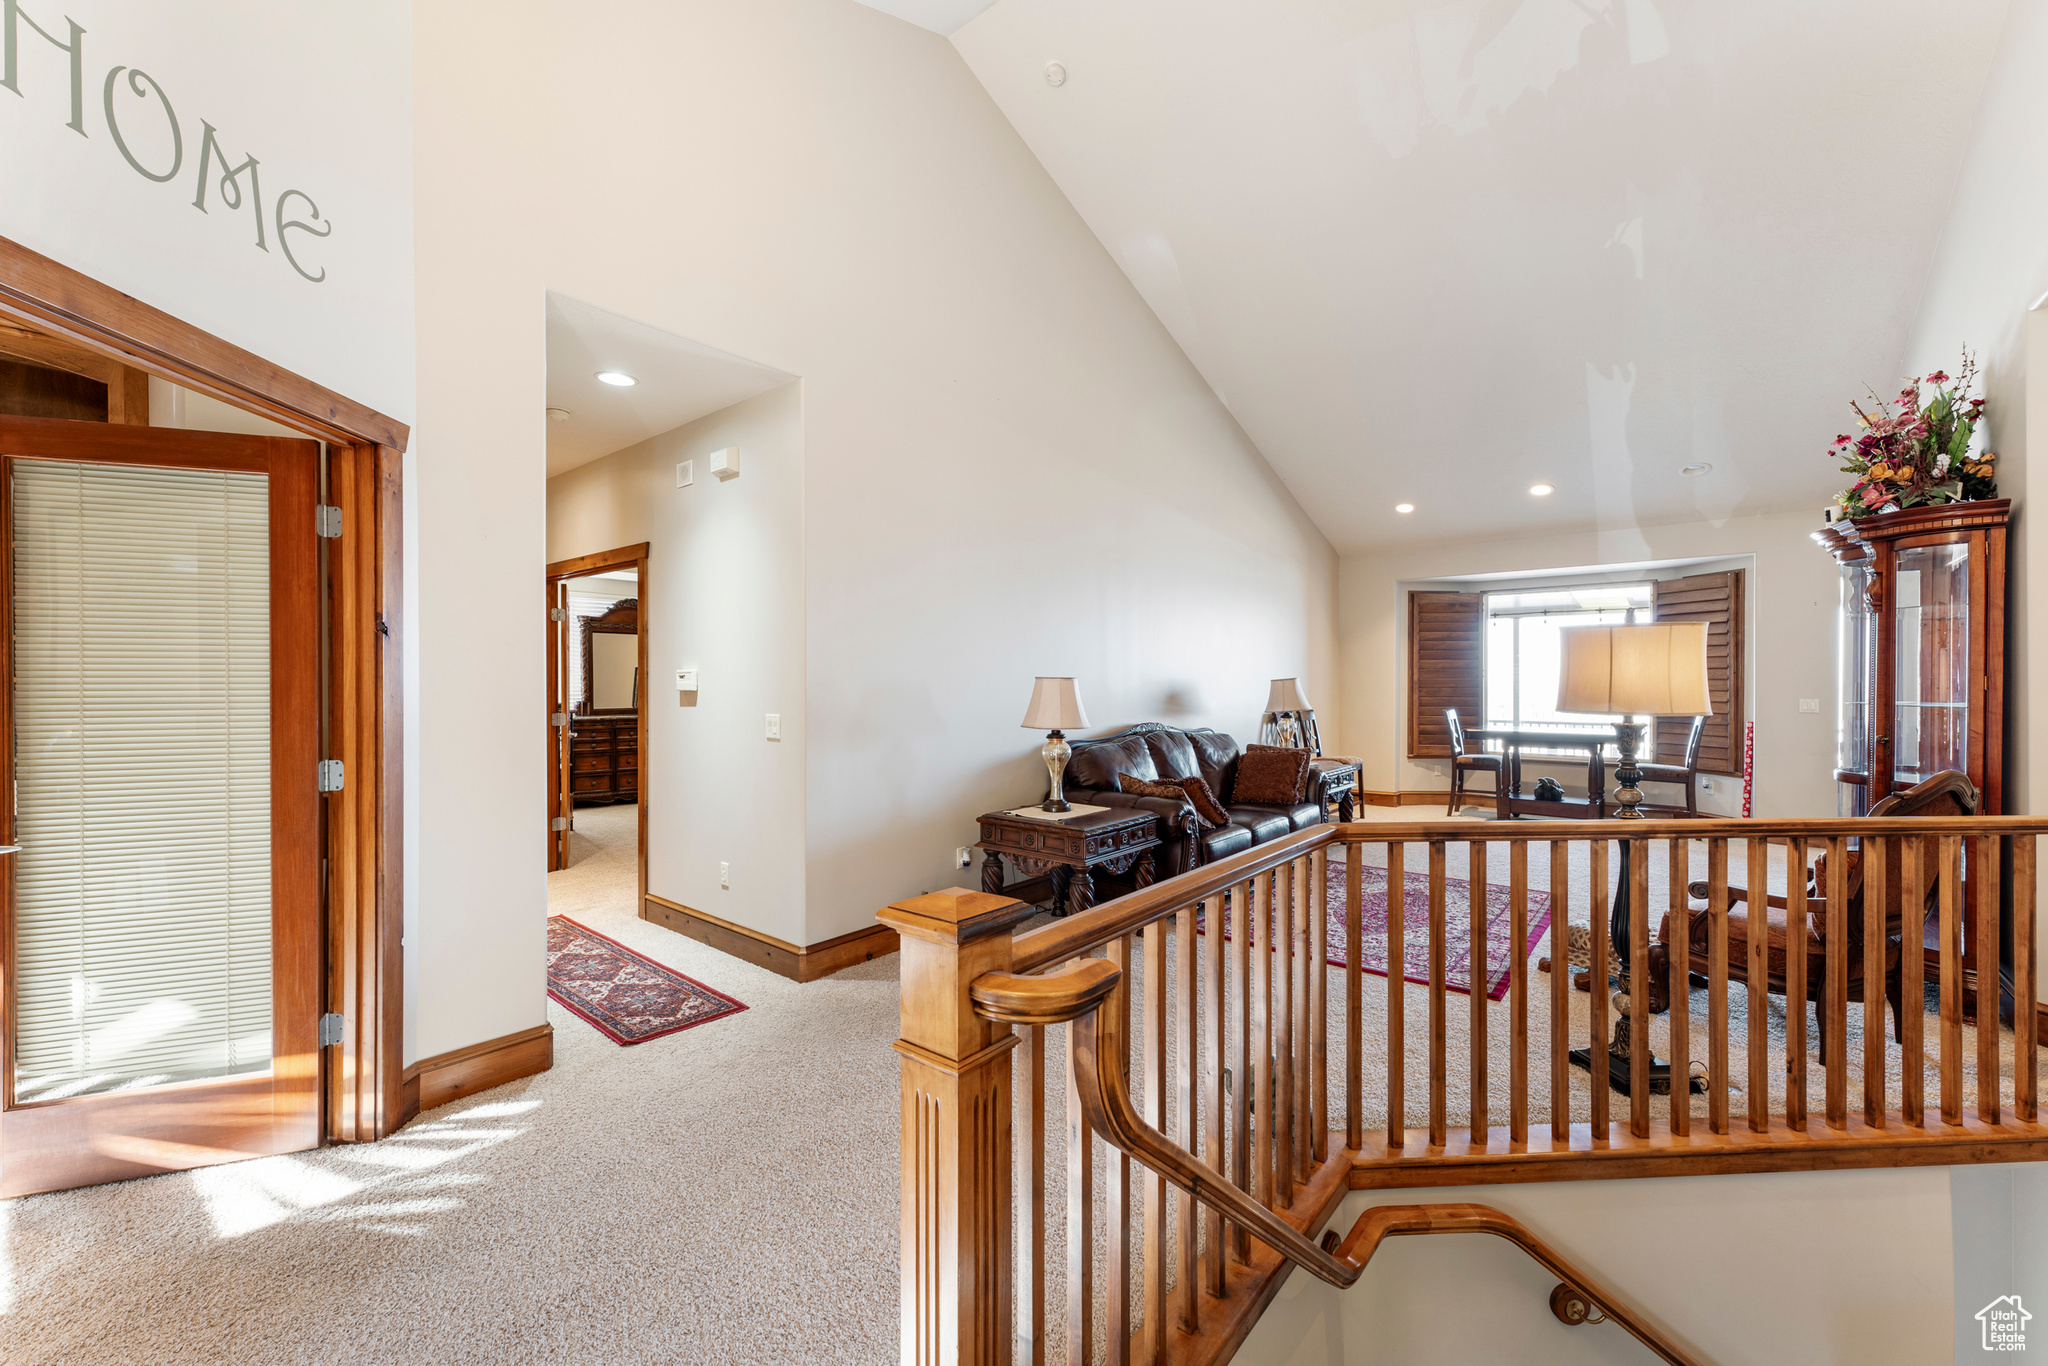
x=142, y=915
x=1715, y=599
x=1446, y=634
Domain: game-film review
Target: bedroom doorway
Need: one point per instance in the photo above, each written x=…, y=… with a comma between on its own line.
x=597, y=704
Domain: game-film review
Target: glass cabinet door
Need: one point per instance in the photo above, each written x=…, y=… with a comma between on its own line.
x=1931, y=661
x=1853, y=686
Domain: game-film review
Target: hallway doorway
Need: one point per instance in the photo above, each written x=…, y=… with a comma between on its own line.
x=597, y=704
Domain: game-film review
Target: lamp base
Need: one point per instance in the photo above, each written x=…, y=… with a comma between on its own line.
x=1628, y=738
x=1056, y=751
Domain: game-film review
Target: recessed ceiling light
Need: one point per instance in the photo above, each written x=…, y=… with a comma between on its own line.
x=1695, y=471
x=1542, y=490
x=558, y=414
x=1404, y=507
x=617, y=378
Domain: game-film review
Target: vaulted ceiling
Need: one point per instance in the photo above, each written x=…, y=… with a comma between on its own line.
x=1435, y=253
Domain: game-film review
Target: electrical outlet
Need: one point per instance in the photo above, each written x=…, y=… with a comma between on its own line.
x=1810, y=704
x=774, y=726
x=725, y=876
x=963, y=857
x=1708, y=787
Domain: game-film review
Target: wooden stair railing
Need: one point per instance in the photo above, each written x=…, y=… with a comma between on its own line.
x=1232, y=1000
x=1076, y=993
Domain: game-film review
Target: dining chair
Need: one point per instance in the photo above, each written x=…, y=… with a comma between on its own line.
x=1463, y=763
x=1682, y=772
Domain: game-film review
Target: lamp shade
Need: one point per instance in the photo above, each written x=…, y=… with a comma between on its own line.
x=1659, y=669
x=1055, y=705
x=1286, y=696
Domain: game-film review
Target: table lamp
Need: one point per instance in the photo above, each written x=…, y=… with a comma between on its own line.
x=1055, y=705
x=1657, y=669
x=1294, y=719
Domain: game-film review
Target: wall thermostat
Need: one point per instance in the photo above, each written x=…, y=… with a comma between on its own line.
x=686, y=680
x=726, y=463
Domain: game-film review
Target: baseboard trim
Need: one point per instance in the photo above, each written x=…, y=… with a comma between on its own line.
x=435, y=1081
x=1415, y=798
x=798, y=962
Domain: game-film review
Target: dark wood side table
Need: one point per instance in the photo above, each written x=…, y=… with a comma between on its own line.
x=1334, y=778
x=1070, y=852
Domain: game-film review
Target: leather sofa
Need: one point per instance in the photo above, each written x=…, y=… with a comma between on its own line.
x=1152, y=750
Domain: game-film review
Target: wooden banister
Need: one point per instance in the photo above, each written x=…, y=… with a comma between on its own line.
x=1078, y=994
x=1245, y=1141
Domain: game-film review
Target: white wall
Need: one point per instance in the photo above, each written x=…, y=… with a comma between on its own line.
x=322, y=97
x=1790, y=597
x=1009, y=467
x=724, y=596
x=1815, y=1268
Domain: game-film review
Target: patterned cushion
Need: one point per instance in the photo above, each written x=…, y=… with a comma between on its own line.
x=1271, y=776
x=1171, y=790
x=1207, y=809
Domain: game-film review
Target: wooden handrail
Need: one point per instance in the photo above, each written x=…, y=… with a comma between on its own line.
x=1377, y=1225
x=1078, y=934
x=1075, y=995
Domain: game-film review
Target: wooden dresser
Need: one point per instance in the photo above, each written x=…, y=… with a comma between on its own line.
x=604, y=758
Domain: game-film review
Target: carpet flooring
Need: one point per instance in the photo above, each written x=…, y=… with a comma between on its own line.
x=723, y=1195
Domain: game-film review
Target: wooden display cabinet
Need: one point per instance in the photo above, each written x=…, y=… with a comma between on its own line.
x=1921, y=651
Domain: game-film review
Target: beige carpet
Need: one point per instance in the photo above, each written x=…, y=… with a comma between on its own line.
x=724, y=1195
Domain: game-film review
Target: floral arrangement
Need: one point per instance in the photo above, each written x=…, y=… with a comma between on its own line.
x=1914, y=451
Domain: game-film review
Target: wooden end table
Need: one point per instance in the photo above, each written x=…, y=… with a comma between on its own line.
x=1070, y=851
x=1334, y=778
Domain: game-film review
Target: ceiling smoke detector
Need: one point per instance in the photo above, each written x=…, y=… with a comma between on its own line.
x=1055, y=74
x=1694, y=471
x=558, y=414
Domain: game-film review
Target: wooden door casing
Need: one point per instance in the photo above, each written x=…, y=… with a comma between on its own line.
x=57, y=1144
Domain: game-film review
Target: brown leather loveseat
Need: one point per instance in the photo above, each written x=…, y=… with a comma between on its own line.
x=1151, y=751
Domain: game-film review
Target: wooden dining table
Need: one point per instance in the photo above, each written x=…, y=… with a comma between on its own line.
x=1508, y=799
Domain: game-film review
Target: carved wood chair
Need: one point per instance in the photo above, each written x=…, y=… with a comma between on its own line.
x=1682, y=772
x=1463, y=763
x=1945, y=794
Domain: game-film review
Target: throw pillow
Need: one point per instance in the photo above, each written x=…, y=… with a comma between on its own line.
x=1207, y=808
x=1307, y=769
x=1170, y=790
x=1271, y=776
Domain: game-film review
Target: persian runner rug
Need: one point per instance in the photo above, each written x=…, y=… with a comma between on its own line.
x=629, y=997
x=1372, y=928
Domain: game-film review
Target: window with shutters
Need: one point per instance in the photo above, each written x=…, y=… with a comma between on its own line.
x=1446, y=641
x=1523, y=650
x=1715, y=599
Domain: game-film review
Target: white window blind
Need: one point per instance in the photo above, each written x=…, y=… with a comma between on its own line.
x=142, y=723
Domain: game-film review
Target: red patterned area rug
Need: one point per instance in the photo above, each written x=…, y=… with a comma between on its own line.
x=1372, y=928
x=630, y=998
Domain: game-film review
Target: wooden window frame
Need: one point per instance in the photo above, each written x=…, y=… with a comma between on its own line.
x=362, y=1089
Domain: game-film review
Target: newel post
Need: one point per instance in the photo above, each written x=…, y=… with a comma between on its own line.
x=956, y=1129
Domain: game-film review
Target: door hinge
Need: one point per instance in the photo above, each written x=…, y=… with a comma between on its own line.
x=331, y=1026
x=330, y=775
x=559, y=823
x=560, y=718
x=327, y=521
x=558, y=614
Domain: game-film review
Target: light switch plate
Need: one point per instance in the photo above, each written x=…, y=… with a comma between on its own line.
x=774, y=726
x=686, y=473
x=725, y=876
x=1810, y=704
